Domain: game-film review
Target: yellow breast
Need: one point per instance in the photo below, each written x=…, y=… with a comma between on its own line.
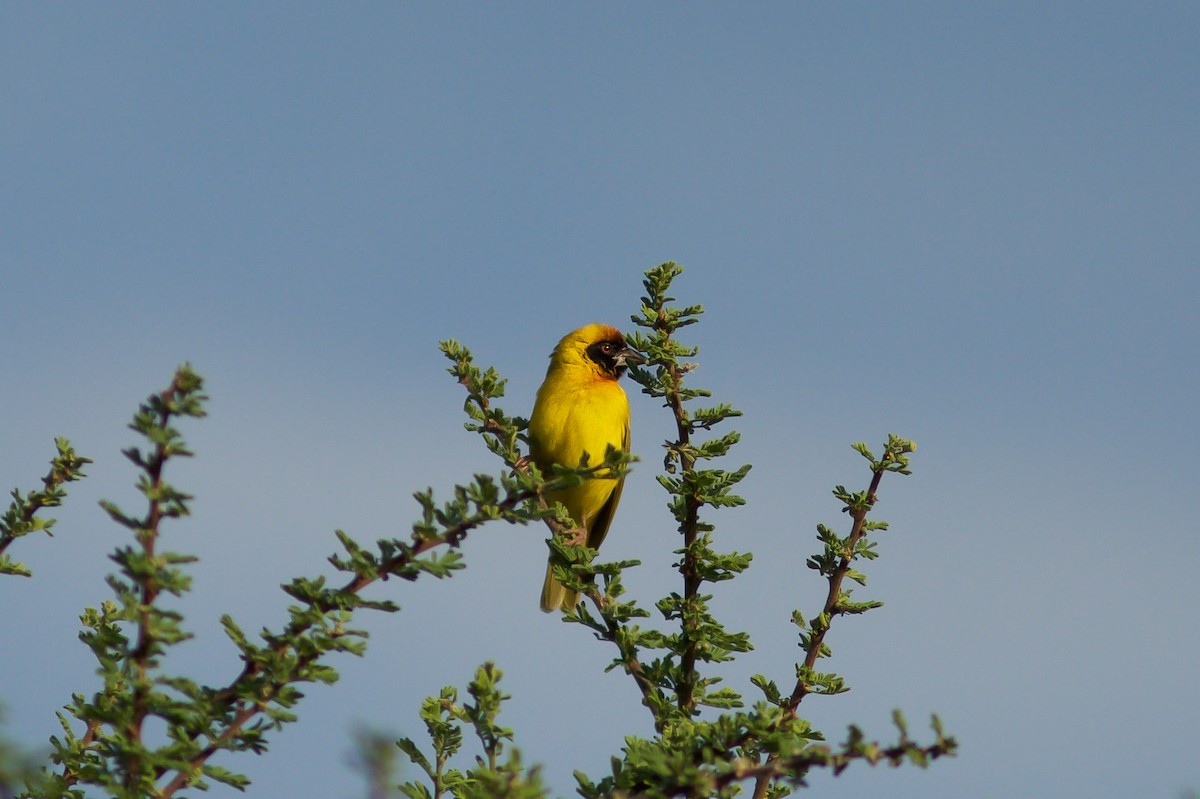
x=577, y=416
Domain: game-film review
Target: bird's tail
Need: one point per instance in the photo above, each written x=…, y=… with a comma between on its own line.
x=555, y=595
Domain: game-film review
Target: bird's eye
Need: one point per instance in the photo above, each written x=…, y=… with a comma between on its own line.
x=606, y=348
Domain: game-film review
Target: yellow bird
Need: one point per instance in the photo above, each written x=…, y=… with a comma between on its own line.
x=580, y=411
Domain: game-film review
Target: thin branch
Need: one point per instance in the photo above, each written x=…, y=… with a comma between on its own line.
x=20, y=518
x=148, y=536
x=227, y=698
x=823, y=757
x=773, y=767
x=835, y=587
x=687, y=567
x=628, y=653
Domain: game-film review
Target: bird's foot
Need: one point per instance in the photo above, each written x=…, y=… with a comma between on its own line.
x=576, y=536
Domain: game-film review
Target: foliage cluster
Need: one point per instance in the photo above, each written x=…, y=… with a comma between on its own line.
x=709, y=740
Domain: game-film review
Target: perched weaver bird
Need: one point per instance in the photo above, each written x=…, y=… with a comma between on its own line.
x=580, y=411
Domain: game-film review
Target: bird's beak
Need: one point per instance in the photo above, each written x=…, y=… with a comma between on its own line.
x=629, y=357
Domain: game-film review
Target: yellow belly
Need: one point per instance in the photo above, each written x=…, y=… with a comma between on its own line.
x=570, y=423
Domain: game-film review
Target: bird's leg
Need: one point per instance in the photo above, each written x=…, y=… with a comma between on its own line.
x=576, y=536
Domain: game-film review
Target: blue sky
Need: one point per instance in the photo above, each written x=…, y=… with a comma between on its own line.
x=970, y=224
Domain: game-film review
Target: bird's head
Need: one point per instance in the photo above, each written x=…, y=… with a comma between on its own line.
x=599, y=348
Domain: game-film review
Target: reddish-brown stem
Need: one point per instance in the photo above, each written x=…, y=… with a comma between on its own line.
x=37, y=502
x=687, y=566
x=628, y=658
x=770, y=768
x=147, y=536
x=835, y=588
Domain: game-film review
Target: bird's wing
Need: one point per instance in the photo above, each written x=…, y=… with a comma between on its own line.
x=599, y=526
x=603, y=518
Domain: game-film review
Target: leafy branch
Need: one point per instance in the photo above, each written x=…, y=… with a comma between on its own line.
x=492, y=775
x=701, y=637
x=318, y=625
x=129, y=636
x=835, y=565
x=21, y=518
